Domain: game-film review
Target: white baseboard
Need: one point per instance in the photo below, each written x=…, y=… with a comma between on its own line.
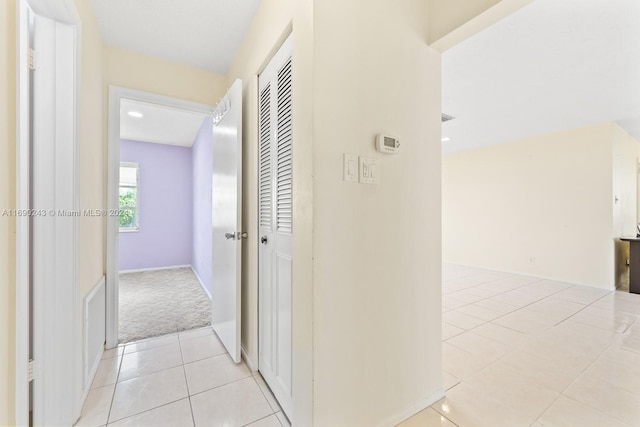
x=204, y=288
x=252, y=366
x=411, y=411
x=139, y=270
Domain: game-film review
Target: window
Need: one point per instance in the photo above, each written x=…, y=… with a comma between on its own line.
x=129, y=177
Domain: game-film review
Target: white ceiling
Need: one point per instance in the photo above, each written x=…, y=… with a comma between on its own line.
x=551, y=66
x=159, y=124
x=200, y=33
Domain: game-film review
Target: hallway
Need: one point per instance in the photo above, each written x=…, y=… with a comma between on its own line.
x=181, y=380
x=521, y=351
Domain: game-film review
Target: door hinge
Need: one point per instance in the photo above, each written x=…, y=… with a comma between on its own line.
x=32, y=59
x=30, y=370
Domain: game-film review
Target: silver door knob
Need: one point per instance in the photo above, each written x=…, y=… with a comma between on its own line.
x=263, y=240
x=230, y=235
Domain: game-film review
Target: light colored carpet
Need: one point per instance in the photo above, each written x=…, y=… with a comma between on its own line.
x=161, y=302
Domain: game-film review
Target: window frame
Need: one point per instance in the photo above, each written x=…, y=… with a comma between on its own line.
x=135, y=165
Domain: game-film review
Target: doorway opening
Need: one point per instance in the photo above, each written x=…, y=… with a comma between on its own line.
x=157, y=281
x=164, y=196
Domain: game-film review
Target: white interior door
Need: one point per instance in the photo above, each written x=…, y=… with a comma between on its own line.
x=275, y=224
x=227, y=220
x=53, y=238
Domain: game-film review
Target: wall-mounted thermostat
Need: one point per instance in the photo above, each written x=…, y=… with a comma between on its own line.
x=387, y=144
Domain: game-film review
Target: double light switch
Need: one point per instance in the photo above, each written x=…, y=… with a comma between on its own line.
x=365, y=170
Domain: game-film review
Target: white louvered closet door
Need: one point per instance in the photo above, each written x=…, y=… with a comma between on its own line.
x=275, y=223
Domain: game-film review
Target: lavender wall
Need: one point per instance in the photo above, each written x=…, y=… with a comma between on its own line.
x=165, y=207
x=202, y=173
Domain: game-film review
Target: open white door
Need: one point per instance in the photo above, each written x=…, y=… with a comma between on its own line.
x=227, y=219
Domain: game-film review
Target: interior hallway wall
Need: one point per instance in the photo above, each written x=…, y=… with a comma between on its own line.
x=376, y=248
x=540, y=206
x=202, y=159
x=165, y=209
x=7, y=201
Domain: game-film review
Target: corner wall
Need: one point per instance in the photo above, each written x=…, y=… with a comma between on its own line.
x=548, y=198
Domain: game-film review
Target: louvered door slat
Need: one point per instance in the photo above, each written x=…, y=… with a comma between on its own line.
x=265, y=158
x=284, y=177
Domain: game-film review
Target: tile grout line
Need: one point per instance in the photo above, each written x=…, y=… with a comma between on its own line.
x=222, y=385
x=260, y=419
x=184, y=372
x=263, y=393
x=160, y=406
x=147, y=410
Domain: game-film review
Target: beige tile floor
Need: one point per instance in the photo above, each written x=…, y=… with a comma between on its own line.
x=517, y=351
x=184, y=379
x=520, y=351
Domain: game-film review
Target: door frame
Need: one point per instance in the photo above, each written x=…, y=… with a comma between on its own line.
x=116, y=95
x=63, y=11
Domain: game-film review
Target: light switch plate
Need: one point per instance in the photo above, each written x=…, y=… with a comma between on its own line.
x=350, y=171
x=369, y=170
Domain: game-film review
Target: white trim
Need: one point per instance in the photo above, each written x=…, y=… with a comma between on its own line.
x=22, y=223
x=63, y=11
x=140, y=270
x=250, y=363
x=204, y=288
x=116, y=94
x=394, y=420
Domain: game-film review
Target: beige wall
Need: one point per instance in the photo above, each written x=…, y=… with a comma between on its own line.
x=91, y=151
x=376, y=248
x=91, y=167
x=137, y=71
x=7, y=201
x=549, y=197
